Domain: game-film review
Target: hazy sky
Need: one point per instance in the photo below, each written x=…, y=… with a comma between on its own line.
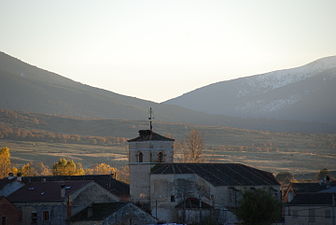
x=156, y=50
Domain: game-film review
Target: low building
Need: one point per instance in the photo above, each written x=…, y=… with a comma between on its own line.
x=53, y=202
x=312, y=209
x=117, y=213
x=305, y=187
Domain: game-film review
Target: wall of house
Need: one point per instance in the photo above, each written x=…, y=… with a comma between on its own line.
x=168, y=190
x=312, y=215
x=93, y=193
x=9, y=212
x=192, y=216
x=57, y=213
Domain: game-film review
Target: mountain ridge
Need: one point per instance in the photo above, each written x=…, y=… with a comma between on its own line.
x=27, y=88
x=248, y=96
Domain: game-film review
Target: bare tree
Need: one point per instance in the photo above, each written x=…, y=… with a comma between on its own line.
x=193, y=147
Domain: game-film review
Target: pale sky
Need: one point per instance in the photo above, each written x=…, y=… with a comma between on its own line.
x=160, y=49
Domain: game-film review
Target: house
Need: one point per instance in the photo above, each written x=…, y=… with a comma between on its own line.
x=114, y=213
x=116, y=187
x=311, y=208
x=164, y=187
x=53, y=202
x=306, y=187
x=9, y=214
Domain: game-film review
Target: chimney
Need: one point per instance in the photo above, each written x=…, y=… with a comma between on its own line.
x=10, y=176
x=19, y=177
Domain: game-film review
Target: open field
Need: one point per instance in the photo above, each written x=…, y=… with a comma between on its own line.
x=296, y=160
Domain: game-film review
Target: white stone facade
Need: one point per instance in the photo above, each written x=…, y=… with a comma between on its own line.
x=143, y=155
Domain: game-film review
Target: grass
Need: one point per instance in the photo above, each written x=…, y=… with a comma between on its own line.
x=297, y=159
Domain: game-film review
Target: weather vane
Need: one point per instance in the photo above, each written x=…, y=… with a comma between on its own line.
x=150, y=118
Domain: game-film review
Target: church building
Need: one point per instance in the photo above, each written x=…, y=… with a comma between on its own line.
x=188, y=192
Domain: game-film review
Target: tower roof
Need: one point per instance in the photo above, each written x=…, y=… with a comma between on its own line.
x=149, y=135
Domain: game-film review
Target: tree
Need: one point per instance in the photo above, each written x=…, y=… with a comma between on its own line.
x=101, y=168
x=28, y=170
x=67, y=167
x=193, y=147
x=5, y=163
x=258, y=207
x=34, y=169
x=123, y=174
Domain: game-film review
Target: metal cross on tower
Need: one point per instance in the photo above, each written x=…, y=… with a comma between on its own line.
x=150, y=118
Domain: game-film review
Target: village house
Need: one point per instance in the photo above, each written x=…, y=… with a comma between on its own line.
x=295, y=188
x=9, y=214
x=53, y=202
x=312, y=209
x=165, y=188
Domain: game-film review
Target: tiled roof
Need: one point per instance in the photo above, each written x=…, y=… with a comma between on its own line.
x=49, y=191
x=192, y=203
x=224, y=174
x=149, y=135
x=309, y=187
x=116, y=187
x=4, y=181
x=99, y=211
x=312, y=199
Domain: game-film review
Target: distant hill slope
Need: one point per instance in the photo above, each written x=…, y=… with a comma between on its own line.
x=305, y=93
x=26, y=88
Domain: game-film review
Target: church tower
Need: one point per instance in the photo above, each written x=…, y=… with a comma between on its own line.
x=145, y=151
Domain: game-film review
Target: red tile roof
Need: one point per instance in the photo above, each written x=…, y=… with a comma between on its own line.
x=49, y=191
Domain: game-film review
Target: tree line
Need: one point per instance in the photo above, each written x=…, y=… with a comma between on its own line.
x=20, y=134
x=63, y=166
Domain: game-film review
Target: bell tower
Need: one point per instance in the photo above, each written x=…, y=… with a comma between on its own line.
x=146, y=150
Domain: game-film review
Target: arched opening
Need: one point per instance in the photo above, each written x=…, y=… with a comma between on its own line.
x=160, y=157
x=140, y=157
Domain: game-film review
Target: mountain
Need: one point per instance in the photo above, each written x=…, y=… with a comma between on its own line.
x=304, y=93
x=26, y=88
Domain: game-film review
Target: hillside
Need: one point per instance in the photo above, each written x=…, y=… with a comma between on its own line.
x=39, y=137
x=26, y=88
x=304, y=93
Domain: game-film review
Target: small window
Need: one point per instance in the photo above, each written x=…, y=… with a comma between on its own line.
x=45, y=215
x=34, y=217
x=327, y=213
x=3, y=220
x=160, y=157
x=172, y=198
x=140, y=157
